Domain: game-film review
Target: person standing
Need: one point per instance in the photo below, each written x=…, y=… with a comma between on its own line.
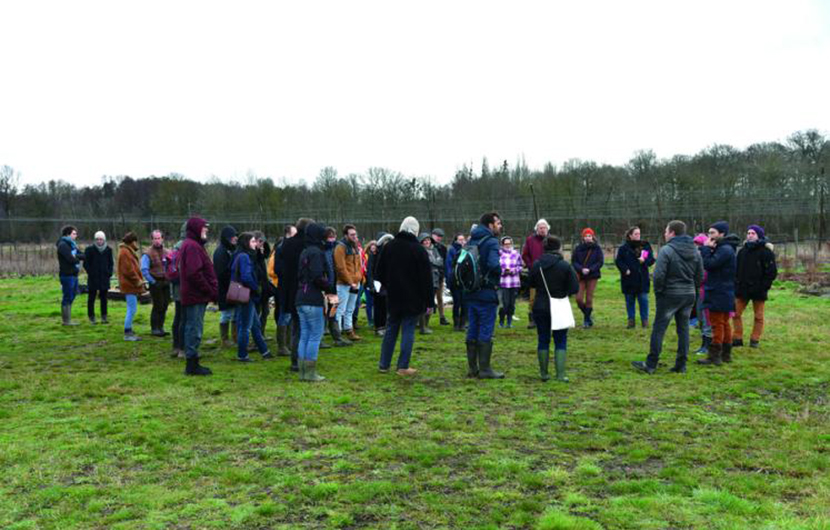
x=702, y=315
x=437, y=264
x=244, y=269
x=288, y=263
x=719, y=291
x=552, y=276
x=175, y=291
x=634, y=258
x=459, y=315
x=347, y=268
x=533, y=249
x=282, y=317
x=482, y=304
x=380, y=295
x=677, y=277
x=98, y=264
x=198, y=287
x=368, y=282
x=404, y=270
x=69, y=265
x=510, y=263
x=222, y=259
x=437, y=244
x=263, y=251
x=313, y=284
x=755, y=273
x=587, y=261
x=130, y=281
x=153, y=267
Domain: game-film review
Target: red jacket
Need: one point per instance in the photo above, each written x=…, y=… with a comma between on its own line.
x=533, y=250
x=198, y=284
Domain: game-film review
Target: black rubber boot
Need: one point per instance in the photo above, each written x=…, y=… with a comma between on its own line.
x=544, y=361
x=472, y=358
x=737, y=343
x=339, y=340
x=485, y=353
x=501, y=317
x=714, y=357
x=726, y=353
x=193, y=368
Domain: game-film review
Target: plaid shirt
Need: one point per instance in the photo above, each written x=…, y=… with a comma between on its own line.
x=511, y=268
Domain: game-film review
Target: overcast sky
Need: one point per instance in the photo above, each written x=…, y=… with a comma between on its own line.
x=282, y=89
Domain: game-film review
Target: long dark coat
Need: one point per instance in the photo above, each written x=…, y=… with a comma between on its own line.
x=404, y=270
x=98, y=267
x=627, y=259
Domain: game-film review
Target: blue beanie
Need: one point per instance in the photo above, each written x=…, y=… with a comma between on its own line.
x=721, y=226
x=758, y=230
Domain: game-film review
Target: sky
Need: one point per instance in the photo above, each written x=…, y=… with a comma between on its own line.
x=282, y=89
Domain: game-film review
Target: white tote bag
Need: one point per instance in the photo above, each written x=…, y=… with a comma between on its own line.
x=561, y=314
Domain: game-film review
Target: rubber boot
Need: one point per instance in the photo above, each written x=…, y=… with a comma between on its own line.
x=726, y=353
x=704, y=347
x=560, y=356
x=737, y=343
x=455, y=323
x=485, y=353
x=714, y=356
x=423, y=323
x=66, y=315
x=193, y=368
x=310, y=372
x=509, y=320
x=544, y=361
x=472, y=358
x=339, y=340
x=585, y=324
x=301, y=369
x=223, y=335
x=530, y=323
x=282, y=342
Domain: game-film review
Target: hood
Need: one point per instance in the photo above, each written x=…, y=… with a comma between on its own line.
x=315, y=234
x=225, y=237
x=550, y=258
x=684, y=246
x=385, y=239
x=194, y=228
x=480, y=232
x=759, y=243
x=732, y=240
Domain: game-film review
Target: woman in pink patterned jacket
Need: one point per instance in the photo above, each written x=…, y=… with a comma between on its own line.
x=511, y=269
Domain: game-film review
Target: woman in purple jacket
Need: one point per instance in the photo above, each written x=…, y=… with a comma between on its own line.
x=587, y=261
x=511, y=268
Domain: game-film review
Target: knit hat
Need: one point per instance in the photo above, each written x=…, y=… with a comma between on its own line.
x=423, y=236
x=758, y=230
x=588, y=231
x=701, y=239
x=410, y=225
x=721, y=226
x=100, y=234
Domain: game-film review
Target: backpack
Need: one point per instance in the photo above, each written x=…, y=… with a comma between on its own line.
x=467, y=271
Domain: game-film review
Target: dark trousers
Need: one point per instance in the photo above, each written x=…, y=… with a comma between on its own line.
x=507, y=299
x=406, y=326
x=263, y=310
x=457, y=303
x=543, y=333
x=90, y=302
x=482, y=317
x=160, y=294
x=178, y=328
x=678, y=307
x=380, y=311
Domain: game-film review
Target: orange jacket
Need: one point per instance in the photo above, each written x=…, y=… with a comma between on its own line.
x=130, y=280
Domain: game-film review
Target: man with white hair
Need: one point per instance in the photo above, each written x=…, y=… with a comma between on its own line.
x=533, y=249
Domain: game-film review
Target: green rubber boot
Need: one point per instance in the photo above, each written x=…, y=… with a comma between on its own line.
x=559, y=358
x=485, y=371
x=544, y=361
x=310, y=372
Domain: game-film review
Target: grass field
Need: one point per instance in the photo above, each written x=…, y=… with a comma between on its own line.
x=99, y=433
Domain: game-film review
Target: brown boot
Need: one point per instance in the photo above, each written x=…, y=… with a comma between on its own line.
x=714, y=356
x=352, y=336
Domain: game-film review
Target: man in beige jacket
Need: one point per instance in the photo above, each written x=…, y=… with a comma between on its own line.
x=348, y=270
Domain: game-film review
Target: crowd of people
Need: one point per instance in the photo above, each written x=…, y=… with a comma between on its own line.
x=317, y=282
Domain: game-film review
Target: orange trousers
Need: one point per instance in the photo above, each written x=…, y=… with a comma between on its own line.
x=758, y=323
x=721, y=330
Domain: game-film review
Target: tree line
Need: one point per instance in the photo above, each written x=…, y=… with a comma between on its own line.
x=782, y=185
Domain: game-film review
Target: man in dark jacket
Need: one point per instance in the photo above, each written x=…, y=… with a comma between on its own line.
x=69, y=264
x=719, y=290
x=533, y=249
x=755, y=274
x=222, y=260
x=437, y=244
x=281, y=316
x=404, y=270
x=98, y=264
x=482, y=305
x=288, y=263
x=677, y=277
x=198, y=287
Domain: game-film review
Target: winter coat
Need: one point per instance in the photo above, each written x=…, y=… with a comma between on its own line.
x=245, y=271
x=588, y=256
x=488, y=252
x=69, y=257
x=756, y=270
x=510, y=265
x=442, y=251
x=628, y=260
x=560, y=277
x=404, y=270
x=437, y=264
x=452, y=252
x=197, y=278
x=99, y=267
x=533, y=249
x=347, y=263
x=289, y=264
x=261, y=261
x=130, y=280
x=313, y=278
x=679, y=269
x=720, y=264
x=222, y=261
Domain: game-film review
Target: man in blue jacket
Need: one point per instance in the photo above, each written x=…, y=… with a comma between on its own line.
x=482, y=305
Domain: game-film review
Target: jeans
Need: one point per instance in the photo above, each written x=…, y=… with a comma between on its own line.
x=160, y=293
x=194, y=323
x=229, y=315
x=69, y=287
x=457, y=303
x=543, y=333
x=482, y=320
x=630, y=302
x=370, y=306
x=247, y=322
x=346, y=307
x=284, y=318
x=406, y=326
x=90, y=302
x=178, y=328
x=703, y=318
x=678, y=307
x=132, y=309
x=312, y=325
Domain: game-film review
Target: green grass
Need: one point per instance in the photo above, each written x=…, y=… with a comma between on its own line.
x=99, y=433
